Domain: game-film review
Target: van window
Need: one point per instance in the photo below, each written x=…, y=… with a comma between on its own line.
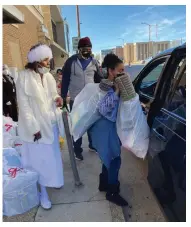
x=177, y=104
x=149, y=82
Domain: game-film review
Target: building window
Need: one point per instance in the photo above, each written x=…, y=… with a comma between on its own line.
x=54, y=32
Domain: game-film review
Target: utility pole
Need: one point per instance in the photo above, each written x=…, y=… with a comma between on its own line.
x=78, y=20
x=150, y=25
x=156, y=31
x=122, y=40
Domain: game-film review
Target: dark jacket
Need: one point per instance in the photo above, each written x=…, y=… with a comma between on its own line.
x=75, y=78
x=9, y=95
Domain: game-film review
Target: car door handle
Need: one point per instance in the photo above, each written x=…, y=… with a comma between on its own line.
x=159, y=136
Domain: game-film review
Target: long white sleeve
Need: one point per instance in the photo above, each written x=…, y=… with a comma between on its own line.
x=25, y=112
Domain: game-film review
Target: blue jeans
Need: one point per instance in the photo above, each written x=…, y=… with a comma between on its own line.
x=112, y=173
x=78, y=144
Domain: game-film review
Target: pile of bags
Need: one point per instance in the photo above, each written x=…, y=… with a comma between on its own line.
x=10, y=138
x=132, y=127
x=20, y=193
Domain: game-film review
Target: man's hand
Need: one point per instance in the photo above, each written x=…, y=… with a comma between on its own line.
x=59, y=102
x=65, y=104
x=37, y=136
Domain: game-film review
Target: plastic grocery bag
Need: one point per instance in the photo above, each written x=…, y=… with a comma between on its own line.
x=9, y=126
x=11, y=159
x=85, y=109
x=20, y=193
x=132, y=127
x=18, y=144
x=8, y=140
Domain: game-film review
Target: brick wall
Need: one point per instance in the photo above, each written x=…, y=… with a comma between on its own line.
x=23, y=36
x=47, y=19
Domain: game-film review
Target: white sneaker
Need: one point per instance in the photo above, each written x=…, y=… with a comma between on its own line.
x=45, y=203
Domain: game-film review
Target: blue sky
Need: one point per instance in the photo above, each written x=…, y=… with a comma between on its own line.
x=109, y=26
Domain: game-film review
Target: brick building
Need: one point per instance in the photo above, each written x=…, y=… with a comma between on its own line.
x=25, y=26
x=59, y=35
x=118, y=50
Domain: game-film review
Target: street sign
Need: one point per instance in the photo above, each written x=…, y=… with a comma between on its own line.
x=75, y=41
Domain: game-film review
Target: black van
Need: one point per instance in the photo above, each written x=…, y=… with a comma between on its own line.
x=161, y=86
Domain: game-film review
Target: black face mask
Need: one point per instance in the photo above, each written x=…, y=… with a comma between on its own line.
x=86, y=54
x=120, y=74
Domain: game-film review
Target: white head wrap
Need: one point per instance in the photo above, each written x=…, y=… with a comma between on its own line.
x=39, y=53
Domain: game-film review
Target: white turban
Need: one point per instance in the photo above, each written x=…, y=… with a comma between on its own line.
x=39, y=53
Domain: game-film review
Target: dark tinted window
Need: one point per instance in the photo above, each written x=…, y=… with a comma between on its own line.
x=149, y=82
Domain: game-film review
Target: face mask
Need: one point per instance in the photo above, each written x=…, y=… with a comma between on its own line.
x=86, y=54
x=6, y=72
x=120, y=74
x=43, y=70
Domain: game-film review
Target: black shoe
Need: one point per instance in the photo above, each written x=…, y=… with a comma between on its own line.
x=103, y=185
x=91, y=149
x=113, y=196
x=79, y=157
x=117, y=199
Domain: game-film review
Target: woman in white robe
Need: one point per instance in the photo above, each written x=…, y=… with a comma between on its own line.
x=40, y=121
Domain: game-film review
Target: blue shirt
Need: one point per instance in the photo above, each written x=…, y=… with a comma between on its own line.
x=85, y=62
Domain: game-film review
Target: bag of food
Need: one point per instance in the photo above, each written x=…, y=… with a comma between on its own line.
x=20, y=193
x=11, y=159
x=9, y=126
x=85, y=110
x=132, y=127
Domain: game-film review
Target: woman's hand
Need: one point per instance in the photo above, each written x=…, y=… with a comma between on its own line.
x=37, y=136
x=59, y=102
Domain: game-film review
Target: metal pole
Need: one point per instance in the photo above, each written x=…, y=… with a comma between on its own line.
x=71, y=149
x=149, y=39
x=156, y=31
x=149, y=32
x=150, y=35
x=78, y=20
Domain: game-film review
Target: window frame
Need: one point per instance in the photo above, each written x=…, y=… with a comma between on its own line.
x=145, y=73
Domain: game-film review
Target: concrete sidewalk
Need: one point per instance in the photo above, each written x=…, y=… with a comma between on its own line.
x=87, y=204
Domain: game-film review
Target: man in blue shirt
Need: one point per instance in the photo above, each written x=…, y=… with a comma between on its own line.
x=79, y=70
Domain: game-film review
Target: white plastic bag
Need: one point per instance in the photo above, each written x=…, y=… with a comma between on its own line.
x=9, y=126
x=18, y=144
x=132, y=127
x=20, y=193
x=8, y=140
x=84, y=111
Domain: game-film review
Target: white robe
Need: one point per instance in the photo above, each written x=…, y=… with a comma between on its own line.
x=46, y=160
x=38, y=112
x=36, y=102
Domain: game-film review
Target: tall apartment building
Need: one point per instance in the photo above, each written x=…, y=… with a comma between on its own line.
x=135, y=52
x=175, y=43
x=25, y=26
x=118, y=50
x=129, y=52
